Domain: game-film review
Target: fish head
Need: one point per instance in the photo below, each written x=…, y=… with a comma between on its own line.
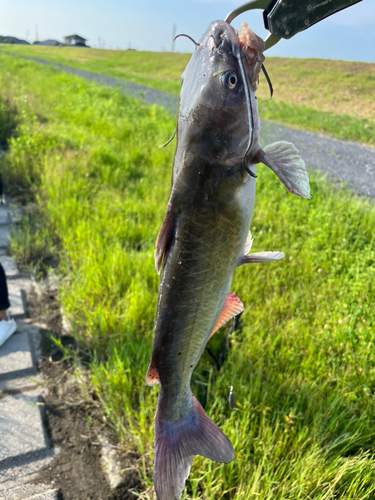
x=214, y=119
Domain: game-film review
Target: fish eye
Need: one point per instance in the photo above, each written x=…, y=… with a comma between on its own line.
x=229, y=80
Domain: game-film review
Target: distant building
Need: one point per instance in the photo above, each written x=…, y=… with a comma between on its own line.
x=13, y=39
x=75, y=40
x=50, y=43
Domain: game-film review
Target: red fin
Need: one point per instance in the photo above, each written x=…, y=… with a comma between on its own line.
x=260, y=257
x=164, y=239
x=152, y=375
x=231, y=308
x=177, y=442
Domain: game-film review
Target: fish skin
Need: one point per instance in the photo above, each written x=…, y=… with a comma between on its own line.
x=201, y=242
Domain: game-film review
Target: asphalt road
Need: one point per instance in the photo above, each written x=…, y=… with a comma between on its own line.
x=341, y=161
x=347, y=162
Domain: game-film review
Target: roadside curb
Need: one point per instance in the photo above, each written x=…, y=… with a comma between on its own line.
x=25, y=446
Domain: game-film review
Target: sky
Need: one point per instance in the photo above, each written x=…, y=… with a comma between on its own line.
x=148, y=25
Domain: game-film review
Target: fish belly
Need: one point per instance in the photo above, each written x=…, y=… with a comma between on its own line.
x=195, y=283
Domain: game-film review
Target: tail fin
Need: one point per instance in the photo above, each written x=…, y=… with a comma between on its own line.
x=177, y=442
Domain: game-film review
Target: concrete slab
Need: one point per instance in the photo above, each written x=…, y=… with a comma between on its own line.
x=17, y=291
x=34, y=333
x=17, y=362
x=23, y=385
x=9, y=209
x=16, y=301
x=16, y=358
x=5, y=216
x=9, y=265
x=5, y=235
x=22, y=436
x=29, y=492
x=18, y=479
x=23, y=326
x=16, y=211
x=48, y=495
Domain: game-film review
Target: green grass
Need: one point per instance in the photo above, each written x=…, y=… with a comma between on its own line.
x=159, y=70
x=330, y=97
x=300, y=116
x=8, y=121
x=303, y=361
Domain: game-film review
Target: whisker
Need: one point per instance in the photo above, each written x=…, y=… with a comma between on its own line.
x=171, y=139
x=249, y=110
x=268, y=80
x=187, y=36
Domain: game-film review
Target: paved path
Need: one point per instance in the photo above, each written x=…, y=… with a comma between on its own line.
x=151, y=96
x=344, y=161
x=24, y=443
x=348, y=162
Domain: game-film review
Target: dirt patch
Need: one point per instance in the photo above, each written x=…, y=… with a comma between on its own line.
x=74, y=421
x=44, y=308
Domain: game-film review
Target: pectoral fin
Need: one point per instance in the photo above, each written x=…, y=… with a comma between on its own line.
x=231, y=308
x=283, y=159
x=164, y=239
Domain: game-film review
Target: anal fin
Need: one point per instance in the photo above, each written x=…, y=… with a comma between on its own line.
x=260, y=257
x=231, y=308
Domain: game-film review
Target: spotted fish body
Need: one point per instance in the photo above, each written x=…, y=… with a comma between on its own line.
x=203, y=239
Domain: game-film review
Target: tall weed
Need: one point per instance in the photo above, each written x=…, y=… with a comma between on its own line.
x=8, y=121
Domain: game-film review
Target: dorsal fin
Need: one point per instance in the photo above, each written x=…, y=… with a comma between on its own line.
x=164, y=239
x=152, y=375
x=231, y=308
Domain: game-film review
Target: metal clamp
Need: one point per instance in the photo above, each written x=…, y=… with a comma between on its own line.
x=286, y=18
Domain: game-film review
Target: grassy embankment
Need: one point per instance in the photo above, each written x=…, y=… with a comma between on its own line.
x=302, y=363
x=331, y=97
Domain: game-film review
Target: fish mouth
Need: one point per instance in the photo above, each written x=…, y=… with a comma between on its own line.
x=222, y=44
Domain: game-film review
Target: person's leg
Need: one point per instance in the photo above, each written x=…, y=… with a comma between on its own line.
x=4, y=299
x=7, y=325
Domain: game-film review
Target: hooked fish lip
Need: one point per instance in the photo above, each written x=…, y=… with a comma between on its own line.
x=220, y=28
x=225, y=38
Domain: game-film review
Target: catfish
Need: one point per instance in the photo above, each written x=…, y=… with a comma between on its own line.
x=205, y=236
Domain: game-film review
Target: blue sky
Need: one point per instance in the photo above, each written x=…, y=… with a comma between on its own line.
x=148, y=25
